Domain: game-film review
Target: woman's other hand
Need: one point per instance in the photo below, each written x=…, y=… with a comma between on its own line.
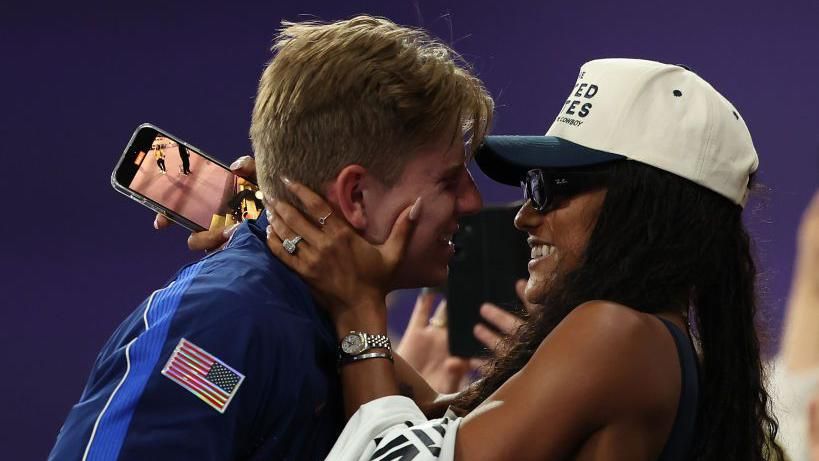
x=425, y=346
x=506, y=322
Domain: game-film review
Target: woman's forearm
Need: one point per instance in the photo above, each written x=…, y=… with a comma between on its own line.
x=411, y=384
x=365, y=381
x=369, y=379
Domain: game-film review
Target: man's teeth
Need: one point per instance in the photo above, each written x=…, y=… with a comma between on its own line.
x=542, y=250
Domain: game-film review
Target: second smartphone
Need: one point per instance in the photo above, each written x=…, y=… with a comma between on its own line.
x=491, y=255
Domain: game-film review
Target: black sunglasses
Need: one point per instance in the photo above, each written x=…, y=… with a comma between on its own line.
x=544, y=188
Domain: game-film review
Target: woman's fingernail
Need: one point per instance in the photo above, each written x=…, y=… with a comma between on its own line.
x=269, y=215
x=415, y=210
x=156, y=223
x=228, y=231
x=285, y=180
x=238, y=163
x=269, y=230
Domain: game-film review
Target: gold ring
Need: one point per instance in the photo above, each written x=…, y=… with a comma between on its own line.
x=323, y=220
x=437, y=322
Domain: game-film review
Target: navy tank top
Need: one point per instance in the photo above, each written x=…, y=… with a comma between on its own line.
x=678, y=445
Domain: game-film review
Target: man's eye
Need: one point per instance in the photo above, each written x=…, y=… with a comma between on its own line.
x=450, y=182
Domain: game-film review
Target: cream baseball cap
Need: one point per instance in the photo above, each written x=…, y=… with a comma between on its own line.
x=659, y=114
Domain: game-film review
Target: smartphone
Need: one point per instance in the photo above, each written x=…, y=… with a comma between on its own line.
x=180, y=181
x=491, y=255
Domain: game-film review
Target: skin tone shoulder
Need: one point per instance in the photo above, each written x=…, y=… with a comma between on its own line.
x=592, y=390
x=607, y=377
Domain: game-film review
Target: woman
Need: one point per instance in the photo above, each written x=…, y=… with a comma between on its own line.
x=633, y=211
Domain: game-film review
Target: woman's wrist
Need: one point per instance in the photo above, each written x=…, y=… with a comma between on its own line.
x=368, y=317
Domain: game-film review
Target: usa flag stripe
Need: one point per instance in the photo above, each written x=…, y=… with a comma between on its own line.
x=184, y=371
x=186, y=346
x=203, y=368
x=196, y=358
x=203, y=375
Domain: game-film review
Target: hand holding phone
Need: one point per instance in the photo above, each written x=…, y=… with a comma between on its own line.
x=216, y=236
x=183, y=184
x=502, y=322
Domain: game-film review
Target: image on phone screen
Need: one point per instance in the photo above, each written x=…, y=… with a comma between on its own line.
x=186, y=183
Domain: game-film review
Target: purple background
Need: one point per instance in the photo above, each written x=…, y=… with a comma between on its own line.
x=77, y=257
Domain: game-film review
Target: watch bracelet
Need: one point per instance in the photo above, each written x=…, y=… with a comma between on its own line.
x=369, y=355
x=378, y=341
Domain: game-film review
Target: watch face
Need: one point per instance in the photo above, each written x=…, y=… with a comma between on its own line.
x=352, y=344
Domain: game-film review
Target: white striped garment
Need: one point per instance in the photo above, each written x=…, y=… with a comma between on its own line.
x=394, y=428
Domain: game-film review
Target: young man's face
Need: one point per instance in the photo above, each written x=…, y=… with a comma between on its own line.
x=439, y=176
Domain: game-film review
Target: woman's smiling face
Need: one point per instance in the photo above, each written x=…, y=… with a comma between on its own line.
x=558, y=239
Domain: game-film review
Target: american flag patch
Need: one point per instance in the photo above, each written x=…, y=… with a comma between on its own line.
x=203, y=375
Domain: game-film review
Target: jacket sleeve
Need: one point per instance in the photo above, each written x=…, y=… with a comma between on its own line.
x=394, y=427
x=187, y=381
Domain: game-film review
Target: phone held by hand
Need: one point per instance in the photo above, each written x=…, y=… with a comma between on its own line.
x=490, y=256
x=173, y=178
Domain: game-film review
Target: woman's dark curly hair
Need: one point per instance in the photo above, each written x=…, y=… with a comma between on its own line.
x=662, y=242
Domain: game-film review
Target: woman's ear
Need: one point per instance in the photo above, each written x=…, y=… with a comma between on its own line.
x=347, y=191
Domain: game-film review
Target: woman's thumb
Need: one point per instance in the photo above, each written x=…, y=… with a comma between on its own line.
x=395, y=246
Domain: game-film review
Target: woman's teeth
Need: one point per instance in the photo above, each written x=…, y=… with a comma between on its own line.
x=542, y=250
x=446, y=238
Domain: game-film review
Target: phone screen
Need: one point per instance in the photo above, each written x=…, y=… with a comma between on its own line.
x=181, y=181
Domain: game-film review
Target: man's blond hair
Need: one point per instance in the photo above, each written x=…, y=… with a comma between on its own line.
x=362, y=91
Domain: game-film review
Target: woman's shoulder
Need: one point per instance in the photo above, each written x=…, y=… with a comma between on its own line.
x=614, y=325
x=609, y=326
x=620, y=350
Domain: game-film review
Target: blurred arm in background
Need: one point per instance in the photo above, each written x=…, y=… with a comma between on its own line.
x=800, y=343
x=796, y=371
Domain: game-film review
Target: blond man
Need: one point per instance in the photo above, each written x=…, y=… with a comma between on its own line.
x=232, y=359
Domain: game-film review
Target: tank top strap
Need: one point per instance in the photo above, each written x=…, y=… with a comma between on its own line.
x=681, y=438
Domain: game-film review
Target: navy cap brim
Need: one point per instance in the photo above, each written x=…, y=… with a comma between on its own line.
x=506, y=159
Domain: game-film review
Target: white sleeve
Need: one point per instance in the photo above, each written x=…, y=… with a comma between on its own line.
x=395, y=428
x=792, y=392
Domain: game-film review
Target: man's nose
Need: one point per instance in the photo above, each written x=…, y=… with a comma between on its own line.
x=469, y=201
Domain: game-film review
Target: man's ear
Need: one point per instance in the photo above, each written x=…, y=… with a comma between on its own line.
x=349, y=192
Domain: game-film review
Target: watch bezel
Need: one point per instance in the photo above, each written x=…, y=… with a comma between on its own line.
x=362, y=346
